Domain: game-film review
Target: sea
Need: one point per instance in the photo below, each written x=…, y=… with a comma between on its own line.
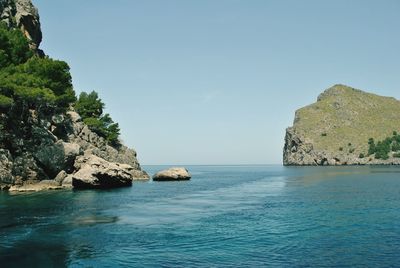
x=225, y=216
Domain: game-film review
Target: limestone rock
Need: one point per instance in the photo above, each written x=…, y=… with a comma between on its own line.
x=61, y=176
x=41, y=186
x=139, y=175
x=67, y=182
x=172, y=174
x=25, y=168
x=58, y=156
x=6, y=166
x=91, y=143
x=24, y=15
x=74, y=116
x=97, y=173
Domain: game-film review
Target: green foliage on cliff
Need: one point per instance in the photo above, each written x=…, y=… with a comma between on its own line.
x=38, y=83
x=382, y=148
x=5, y=102
x=91, y=107
x=14, y=47
x=31, y=88
x=28, y=81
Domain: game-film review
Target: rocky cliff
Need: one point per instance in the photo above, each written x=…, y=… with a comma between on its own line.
x=24, y=15
x=337, y=128
x=43, y=148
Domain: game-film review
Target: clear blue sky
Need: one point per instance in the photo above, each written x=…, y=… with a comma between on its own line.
x=218, y=81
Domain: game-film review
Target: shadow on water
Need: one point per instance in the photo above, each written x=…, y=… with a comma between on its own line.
x=40, y=229
x=35, y=254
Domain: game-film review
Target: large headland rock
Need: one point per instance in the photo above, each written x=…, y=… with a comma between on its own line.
x=61, y=152
x=336, y=129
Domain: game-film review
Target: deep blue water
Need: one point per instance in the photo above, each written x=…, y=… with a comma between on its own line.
x=226, y=216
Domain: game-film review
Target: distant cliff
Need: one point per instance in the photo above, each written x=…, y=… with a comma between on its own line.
x=342, y=127
x=44, y=142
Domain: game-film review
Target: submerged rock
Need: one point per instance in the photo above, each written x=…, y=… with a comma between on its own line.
x=173, y=174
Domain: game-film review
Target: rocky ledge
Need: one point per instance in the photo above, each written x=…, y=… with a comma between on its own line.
x=337, y=128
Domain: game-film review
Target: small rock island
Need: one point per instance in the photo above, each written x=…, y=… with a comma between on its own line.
x=173, y=174
x=346, y=126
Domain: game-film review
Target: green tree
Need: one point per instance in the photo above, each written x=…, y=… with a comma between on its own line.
x=5, y=103
x=14, y=47
x=91, y=107
x=372, y=147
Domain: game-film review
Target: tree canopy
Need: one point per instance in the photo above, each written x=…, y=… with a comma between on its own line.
x=381, y=149
x=91, y=107
x=14, y=47
x=29, y=82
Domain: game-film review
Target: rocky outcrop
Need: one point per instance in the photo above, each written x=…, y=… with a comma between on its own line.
x=54, y=150
x=92, y=144
x=335, y=130
x=57, y=157
x=78, y=158
x=173, y=174
x=24, y=15
x=97, y=173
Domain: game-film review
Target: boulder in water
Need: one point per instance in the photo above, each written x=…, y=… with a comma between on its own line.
x=173, y=174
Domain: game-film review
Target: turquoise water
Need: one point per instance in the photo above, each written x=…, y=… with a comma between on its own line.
x=226, y=216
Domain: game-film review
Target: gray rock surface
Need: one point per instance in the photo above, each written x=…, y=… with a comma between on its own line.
x=67, y=182
x=97, y=173
x=92, y=144
x=172, y=174
x=36, y=187
x=24, y=15
x=61, y=176
x=6, y=166
x=58, y=156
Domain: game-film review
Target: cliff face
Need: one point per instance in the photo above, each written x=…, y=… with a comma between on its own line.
x=24, y=15
x=335, y=130
x=46, y=150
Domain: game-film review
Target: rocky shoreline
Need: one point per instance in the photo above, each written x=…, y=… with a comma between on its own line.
x=81, y=160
